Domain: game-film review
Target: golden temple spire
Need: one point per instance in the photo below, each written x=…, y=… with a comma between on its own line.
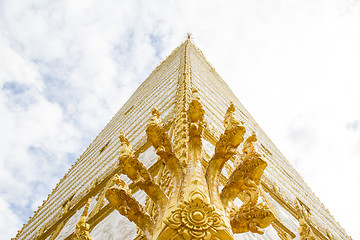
x=193, y=161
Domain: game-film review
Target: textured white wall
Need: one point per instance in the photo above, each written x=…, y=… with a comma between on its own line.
x=114, y=227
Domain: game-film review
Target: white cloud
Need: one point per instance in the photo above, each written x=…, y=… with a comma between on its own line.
x=12, y=222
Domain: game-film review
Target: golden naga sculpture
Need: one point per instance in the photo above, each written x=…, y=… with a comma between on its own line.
x=194, y=208
x=82, y=228
x=246, y=178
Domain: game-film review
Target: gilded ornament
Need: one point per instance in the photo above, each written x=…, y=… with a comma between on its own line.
x=157, y=135
x=224, y=149
x=305, y=230
x=159, y=139
x=251, y=218
x=246, y=176
x=121, y=199
x=195, y=219
x=82, y=227
x=137, y=172
x=196, y=117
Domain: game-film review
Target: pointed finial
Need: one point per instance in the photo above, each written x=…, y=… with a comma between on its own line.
x=189, y=35
x=155, y=112
x=231, y=108
x=122, y=136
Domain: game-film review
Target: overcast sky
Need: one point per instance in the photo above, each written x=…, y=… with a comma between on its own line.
x=66, y=67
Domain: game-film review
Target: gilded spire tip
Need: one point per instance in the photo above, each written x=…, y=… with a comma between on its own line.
x=189, y=36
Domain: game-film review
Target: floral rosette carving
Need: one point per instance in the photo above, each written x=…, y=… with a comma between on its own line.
x=195, y=220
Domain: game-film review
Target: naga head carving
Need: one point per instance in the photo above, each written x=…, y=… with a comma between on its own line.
x=252, y=219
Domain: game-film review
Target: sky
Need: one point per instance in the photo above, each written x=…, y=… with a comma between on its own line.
x=66, y=67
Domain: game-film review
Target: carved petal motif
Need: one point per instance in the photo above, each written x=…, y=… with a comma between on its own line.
x=195, y=219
